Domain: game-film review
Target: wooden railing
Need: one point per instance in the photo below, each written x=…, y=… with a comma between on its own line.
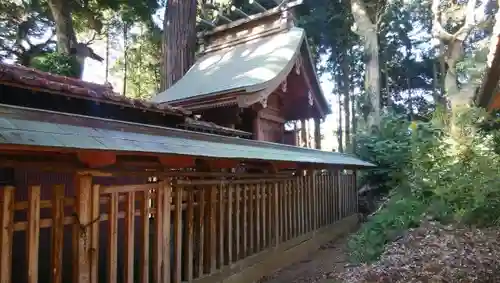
x=179, y=229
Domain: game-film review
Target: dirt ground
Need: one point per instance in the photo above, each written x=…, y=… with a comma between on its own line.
x=320, y=266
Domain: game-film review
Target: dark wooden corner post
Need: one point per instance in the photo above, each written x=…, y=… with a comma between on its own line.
x=86, y=229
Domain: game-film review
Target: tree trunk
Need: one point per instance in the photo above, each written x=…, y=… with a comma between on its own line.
x=457, y=96
x=65, y=33
x=367, y=30
x=345, y=63
x=125, y=59
x=179, y=40
x=354, y=123
x=107, y=54
x=340, y=135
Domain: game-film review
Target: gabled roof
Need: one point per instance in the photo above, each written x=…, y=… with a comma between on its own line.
x=62, y=132
x=246, y=67
x=245, y=61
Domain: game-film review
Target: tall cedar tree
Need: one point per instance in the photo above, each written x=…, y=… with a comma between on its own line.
x=179, y=40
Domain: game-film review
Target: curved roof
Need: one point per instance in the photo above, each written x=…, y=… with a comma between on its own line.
x=248, y=67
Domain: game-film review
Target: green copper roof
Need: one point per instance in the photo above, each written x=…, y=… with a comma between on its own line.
x=30, y=127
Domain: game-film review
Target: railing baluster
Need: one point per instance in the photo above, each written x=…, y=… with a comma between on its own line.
x=144, y=259
x=57, y=234
x=189, y=228
x=6, y=232
x=32, y=236
x=177, y=270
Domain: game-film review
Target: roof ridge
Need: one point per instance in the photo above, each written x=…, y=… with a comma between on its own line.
x=284, y=6
x=245, y=40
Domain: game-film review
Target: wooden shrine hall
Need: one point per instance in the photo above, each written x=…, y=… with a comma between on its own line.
x=254, y=75
x=98, y=187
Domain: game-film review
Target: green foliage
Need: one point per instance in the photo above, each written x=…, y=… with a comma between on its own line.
x=57, y=63
x=143, y=65
x=400, y=214
x=430, y=173
x=390, y=149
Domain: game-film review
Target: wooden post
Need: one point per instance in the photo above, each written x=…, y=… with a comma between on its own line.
x=339, y=196
x=129, y=237
x=33, y=232
x=229, y=220
x=356, y=204
x=245, y=221
x=95, y=216
x=189, y=228
x=220, y=226
x=238, y=223
x=144, y=259
x=167, y=194
x=315, y=218
x=113, y=239
x=57, y=234
x=250, y=219
x=81, y=231
x=177, y=235
x=6, y=232
x=276, y=210
x=317, y=133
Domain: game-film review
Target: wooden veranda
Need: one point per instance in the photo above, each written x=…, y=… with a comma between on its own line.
x=152, y=204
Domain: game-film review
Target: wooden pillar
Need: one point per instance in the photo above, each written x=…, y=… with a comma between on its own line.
x=315, y=213
x=303, y=133
x=81, y=231
x=276, y=210
x=257, y=129
x=317, y=133
x=6, y=232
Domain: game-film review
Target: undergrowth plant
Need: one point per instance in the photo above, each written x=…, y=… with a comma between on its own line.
x=430, y=174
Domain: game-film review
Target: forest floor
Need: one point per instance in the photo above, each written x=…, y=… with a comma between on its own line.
x=319, y=267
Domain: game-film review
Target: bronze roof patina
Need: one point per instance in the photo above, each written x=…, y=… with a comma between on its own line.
x=39, y=128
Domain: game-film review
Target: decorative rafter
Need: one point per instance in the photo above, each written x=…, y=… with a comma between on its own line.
x=233, y=15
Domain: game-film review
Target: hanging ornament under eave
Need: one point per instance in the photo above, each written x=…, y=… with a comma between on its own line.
x=284, y=86
x=310, y=98
x=298, y=64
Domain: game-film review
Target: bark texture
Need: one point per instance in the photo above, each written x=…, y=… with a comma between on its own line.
x=179, y=40
x=366, y=28
x=346, y=86
x=454, y=46
x=65, y=33
x=66, y=36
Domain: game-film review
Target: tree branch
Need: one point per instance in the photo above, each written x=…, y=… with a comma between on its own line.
x=363, y=25
x=437, y=29
x=470, y=21
x=381, y=16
